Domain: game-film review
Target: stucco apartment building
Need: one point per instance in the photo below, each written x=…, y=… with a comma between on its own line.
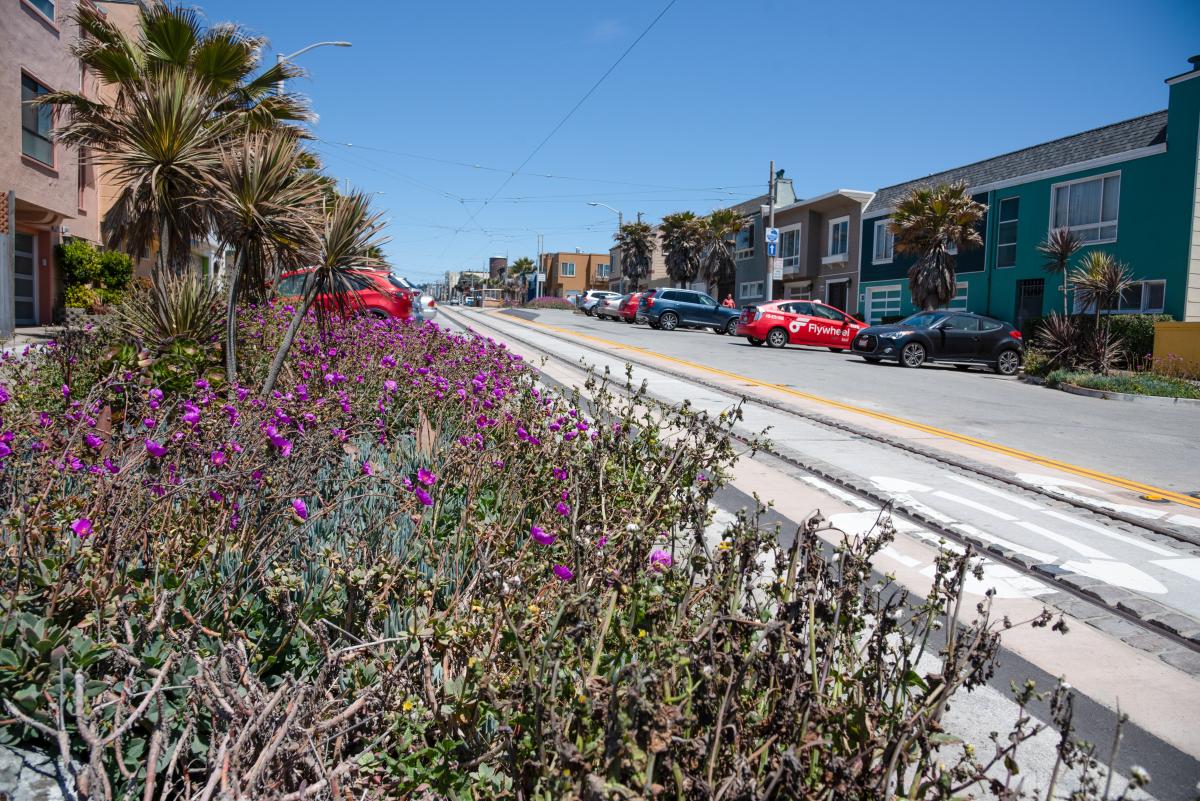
x=47, y=192
x=819, y=244
x=657, y=277
x=570, y=274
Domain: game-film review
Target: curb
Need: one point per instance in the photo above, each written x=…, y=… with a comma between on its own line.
x=1149, y=400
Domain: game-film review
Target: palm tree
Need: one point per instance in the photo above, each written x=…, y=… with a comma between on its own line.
x=1099, y=281
x=520, y=267
x=635, y=242
x=682, y=236
x=267, y=207
x=178, y=92
x=1058, y=248
x=720, y=236
x=928, y=224
x=349, y=232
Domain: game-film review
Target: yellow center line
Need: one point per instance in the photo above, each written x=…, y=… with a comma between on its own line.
x=1066, y=467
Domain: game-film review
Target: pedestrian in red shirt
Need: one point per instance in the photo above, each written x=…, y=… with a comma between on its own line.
x=728, y=302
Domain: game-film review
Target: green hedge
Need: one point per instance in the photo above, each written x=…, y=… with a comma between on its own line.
x=1136, y=331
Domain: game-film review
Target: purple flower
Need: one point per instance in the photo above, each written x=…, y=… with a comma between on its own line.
x=423, y=496
x=559, y=473
x=156, y=394
x=66, y=391
x=600, y=543
x=218, y=458
x=300, y=508
x=367, y=469
x=191, y=414
x=541, y=536
x=660, y=560
x=93, y=441
x=390, y=385
x=155, y=450
x=563, y=573
x=562, y=509
x=111, y=466
x=200, y=384
x=4, y=396
x=149, y=422
x=82, y=527
x=425, y=477
x=5, y=450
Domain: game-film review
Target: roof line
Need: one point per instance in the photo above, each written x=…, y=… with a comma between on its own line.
x=1022, y=150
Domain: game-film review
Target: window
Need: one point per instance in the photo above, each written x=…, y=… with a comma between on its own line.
x=959, y=301
x=603, y=270
x=789, y=248
x=882, y=302
x=1142, y=297
x=705, y=300
x=44, y=6
x=803, y=292
x=952, y=248
x=828, y=313
x=839, y=236
x=743, y=247
x=1088, y=207
x=36, y=122
x=751, y=289
x=1006, y=233
x=960, y=322
x=567, y=269
x=885, y=242
x=800, y=307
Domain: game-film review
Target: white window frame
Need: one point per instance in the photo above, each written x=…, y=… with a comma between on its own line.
x=795, y=292
x=564, y=272
x=603, y=269
x=1115, y=222
x=792, y=263
x=1143, y=308
x=748, y=292
x=962, y=291
x=829, y=251
x=744, y=253
x=1001, y=221
x=883, y=224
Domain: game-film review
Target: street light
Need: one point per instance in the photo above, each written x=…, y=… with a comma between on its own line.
x=620, y=216
x=280, y=58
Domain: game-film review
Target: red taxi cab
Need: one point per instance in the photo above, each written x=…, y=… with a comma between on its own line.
x=798, y=322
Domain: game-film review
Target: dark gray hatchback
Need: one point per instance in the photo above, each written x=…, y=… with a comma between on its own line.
x=959, y=338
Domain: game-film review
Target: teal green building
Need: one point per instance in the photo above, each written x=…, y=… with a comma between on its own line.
x=1130, y=188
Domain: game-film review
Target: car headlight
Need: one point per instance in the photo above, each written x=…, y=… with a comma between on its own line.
x=892, y=335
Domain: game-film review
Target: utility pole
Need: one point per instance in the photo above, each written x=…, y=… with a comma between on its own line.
x=770, y=283
x=639, y=216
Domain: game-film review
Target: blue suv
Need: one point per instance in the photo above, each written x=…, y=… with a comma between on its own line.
x=669, y=309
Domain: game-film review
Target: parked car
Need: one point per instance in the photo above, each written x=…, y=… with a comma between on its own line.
x=958, y=338
x=590, y=299
x=609, y=308
x=798, y=322
x=629, y=308
x=669, y=309
x=426, y=307
x=378, y=293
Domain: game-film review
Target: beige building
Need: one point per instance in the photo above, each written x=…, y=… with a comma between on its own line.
x=570, y=274
x=619, y=282
x=47, y=192
x=819, y=245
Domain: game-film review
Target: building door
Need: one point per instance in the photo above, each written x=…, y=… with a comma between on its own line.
x=1030, y=292
x=837, y=294
x=25, y=278
x=883, y=303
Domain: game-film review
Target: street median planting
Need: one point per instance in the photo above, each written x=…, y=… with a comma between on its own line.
x=411, y=571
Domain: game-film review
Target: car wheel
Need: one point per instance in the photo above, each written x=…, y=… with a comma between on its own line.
x=1008, y=363
x=838, y=350
x=653, y=325
x=913, y=355
x=731, y=327
x=872, y=359
x=628, y=321
x=777, y=337
x=755, y=342
x=669, y=321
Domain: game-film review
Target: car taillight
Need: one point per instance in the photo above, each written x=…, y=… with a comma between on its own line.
x=1015, y=334
x=649, y=302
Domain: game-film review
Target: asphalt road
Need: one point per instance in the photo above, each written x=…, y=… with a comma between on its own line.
x=1155, y=445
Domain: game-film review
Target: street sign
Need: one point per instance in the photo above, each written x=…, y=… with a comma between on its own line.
x=772, y=235
x=771, y=248
x=776, y=269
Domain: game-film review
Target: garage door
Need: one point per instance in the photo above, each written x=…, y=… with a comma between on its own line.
x=882, y=301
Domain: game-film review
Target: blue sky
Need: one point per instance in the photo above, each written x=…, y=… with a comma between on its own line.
x=857, y=95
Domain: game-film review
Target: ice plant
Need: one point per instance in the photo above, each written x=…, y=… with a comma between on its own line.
x=541, y=536
x=300, y=508
x=423, y=496
x=155, y=449
x=660, y=560
x=425, y=477
x=563, y=573
x=82, y=527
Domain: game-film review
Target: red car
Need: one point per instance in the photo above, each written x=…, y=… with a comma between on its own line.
x=381, y=294
x=628, y=310
x=798, y=322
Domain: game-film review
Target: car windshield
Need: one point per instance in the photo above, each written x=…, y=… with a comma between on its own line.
x=922, y=319
x=399, y=282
